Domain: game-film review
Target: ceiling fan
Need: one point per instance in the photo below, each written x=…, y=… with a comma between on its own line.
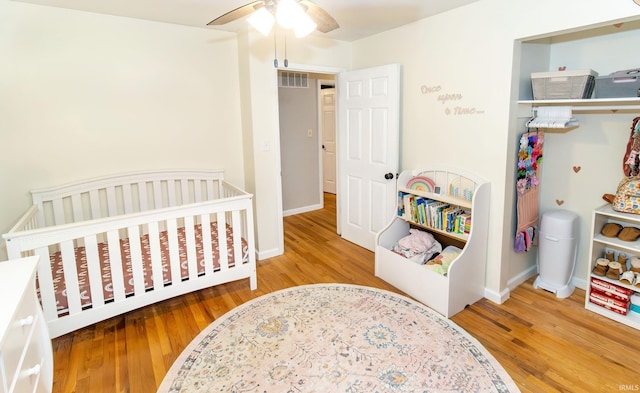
x=303, y=16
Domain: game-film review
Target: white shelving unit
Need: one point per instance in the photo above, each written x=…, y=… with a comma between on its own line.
x=464, y=283
x=599, y=244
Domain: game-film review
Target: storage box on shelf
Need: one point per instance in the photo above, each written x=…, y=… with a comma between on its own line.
x=625, y=83
x=452, y=191
x=608, y=296
x=577, y=84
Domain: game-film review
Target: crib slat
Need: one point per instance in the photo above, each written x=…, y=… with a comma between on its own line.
x=184, y=187
x=223, y=253
x=197, y=189
x=190, y=240
x=174, y=255
x=45, y=282
x=94, y=200
x=71, y=276
x=237, y=241
x=206, y=244
x=128, y=198
x=58, y=212
x=156, y=256
x=76, y=206
x=94, y=270
x=115, y=262
x=142, y=196
x=135, y=252
x=210, y=195
x=111, y=201
x=157, y=195
x=171, y=185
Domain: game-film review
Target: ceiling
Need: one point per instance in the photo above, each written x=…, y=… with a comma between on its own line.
x=357, y=18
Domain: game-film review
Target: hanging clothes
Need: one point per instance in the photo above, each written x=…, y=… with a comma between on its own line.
x=527, y=188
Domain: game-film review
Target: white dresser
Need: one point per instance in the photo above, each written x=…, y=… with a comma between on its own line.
x=26, y=358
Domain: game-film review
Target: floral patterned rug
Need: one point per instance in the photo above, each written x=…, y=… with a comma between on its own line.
x=335, y=338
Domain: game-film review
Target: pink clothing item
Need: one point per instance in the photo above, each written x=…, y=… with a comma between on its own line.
x=418, y=241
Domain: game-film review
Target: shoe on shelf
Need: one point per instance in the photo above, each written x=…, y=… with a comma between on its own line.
x=609, y=255
x=623, y=258
x=628, y=278
x=611, y=229
x=601, y=266
x=629, y=234
x=635, y=264
x=614, y=271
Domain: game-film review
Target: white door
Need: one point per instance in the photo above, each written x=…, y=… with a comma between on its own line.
x=368, y=151
x=328, y=124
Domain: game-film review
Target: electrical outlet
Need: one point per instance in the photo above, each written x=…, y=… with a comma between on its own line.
x=309, y=132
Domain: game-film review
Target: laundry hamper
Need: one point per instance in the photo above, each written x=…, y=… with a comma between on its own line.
x=558, y=245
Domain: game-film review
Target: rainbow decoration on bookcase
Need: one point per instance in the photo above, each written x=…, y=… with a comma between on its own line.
x=421, y=183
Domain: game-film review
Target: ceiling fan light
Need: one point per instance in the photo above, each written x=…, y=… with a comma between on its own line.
x=304, y=26
x=288, y=13
x=262, y=20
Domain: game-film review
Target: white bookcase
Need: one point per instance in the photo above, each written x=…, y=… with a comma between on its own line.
x=464, y=282
x=599, y=244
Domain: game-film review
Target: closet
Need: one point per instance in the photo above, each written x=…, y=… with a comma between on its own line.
x=584, y=160
x=438, y=189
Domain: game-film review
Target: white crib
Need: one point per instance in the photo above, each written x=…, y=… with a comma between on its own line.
x=104, y=243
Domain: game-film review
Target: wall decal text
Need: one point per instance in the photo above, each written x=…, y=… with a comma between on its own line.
x=444, y=98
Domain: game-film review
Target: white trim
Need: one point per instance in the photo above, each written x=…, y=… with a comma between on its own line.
x=523, y=276
x=313, y=68
x=303, y=209
x=276, y=131
x=320, y=135
x=496, y=297
x=580, y=283
x=261, y=255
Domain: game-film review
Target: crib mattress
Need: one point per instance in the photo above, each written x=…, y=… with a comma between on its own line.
x=105, y=264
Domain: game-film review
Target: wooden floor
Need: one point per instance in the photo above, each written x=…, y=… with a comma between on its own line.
x=546, y=344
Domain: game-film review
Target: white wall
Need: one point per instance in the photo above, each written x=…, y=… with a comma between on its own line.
x=467, y=56
x=83, y=95
x=261, y=123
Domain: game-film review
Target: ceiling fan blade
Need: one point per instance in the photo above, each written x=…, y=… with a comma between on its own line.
x=325, y=22
x=238, y=13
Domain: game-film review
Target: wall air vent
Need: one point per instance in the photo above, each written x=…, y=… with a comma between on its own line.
x=292, y=79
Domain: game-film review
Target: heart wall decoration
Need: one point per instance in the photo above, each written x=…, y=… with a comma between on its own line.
x=577, y=169
x=559, y=202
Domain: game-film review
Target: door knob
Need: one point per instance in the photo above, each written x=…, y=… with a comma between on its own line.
x=388, y=176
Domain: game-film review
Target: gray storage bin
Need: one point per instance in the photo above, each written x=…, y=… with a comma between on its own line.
x=557, y=251
x=619, y=84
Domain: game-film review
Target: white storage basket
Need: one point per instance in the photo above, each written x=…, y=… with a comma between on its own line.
x=556, y=85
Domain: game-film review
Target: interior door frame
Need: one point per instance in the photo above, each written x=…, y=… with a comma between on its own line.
x=320, y=83
x=318, y=70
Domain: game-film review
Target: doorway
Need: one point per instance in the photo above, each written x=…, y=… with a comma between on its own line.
x=307, y=112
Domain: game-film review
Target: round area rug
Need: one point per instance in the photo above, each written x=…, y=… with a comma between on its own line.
x=335, y=338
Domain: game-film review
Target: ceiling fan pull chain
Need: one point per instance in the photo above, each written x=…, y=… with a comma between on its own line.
x=275, y=50
x=286, y=61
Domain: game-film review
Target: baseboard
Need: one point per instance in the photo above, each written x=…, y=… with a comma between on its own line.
x=503, y=296
x=522, y=277
x=580, y=283
x=300, y=210
x=497, y=297
x=260, y=255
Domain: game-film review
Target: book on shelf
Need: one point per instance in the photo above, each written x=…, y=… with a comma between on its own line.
x=433, y=213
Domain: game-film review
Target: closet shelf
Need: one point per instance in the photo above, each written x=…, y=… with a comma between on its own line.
x=586, y=105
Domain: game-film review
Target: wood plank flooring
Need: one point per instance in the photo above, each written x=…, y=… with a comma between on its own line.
x=546, y=344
